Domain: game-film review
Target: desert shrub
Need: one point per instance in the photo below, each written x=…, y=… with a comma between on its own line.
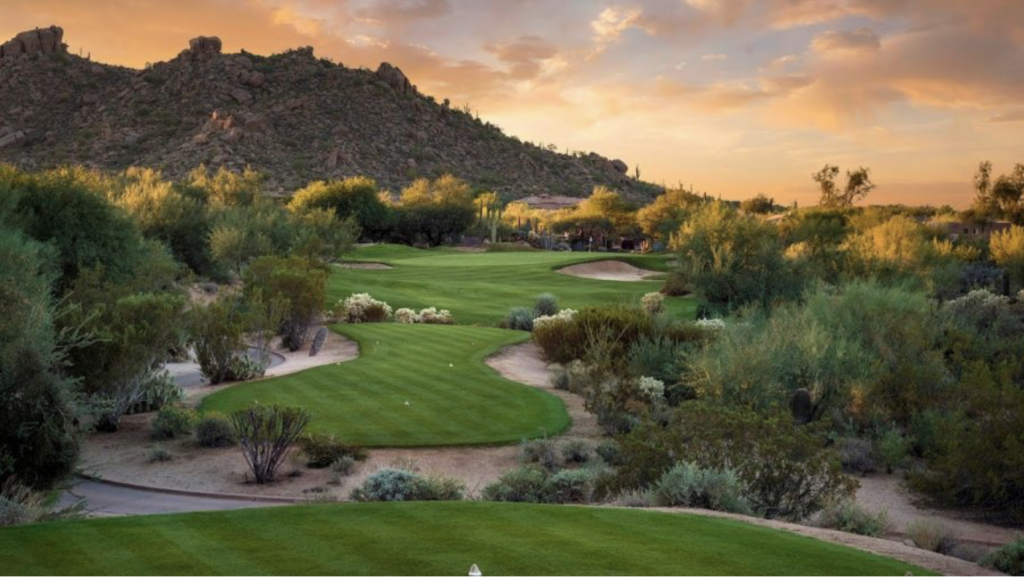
x=322, y=450
x=789, y=470
x=849, y=517
x=401, y=485
x=406, y=316
x=540, y=452
x=520, y=319
x=173, y=421
x=266, y=433
x=569, y=486
x=521, y=485
x=575, y=451
x=356, y=197
x=610, y=452
x=158, y=455
x=242, y=367
x=857, y=455
x=215, y=430
x=21, y=505
x=158, y=391
x=561, y=379
x=432, y=316
x=635, y=498
x=892, y=448
x=931, y=535
x=969, y=552
x=344, y=465
x=545, y=305
x=567, y=337
x=1009, y=558
x=676, y=285
x=362, y=308
x=651, y=388
x=688, y=485
x=653, y=303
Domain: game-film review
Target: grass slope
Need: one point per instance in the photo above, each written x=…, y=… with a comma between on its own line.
x=454, y=399
x=426, y=539
x=481, y=287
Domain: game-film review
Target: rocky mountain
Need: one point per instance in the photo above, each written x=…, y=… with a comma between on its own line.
x=292, y=116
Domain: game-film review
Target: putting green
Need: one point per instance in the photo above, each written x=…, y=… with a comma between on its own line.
x=412, y=385
x=479, y=288
x=426, y=539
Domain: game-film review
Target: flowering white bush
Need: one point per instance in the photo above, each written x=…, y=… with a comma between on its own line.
x=714, y=324
x=406, y=316
x=561, y=316
x=652, y=387
x=653, y=303
x=362, y=308
x=433, y=316
x=429, y=316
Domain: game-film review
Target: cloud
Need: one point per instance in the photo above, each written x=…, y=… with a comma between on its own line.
x=388, y=12
x=861, y=39
x=712, y=57
x=611, y=23
x=525, y=56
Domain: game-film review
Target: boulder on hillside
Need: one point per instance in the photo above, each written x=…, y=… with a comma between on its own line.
x=393, y=77
x=620, y=166
x=203, y=48
x=39, y=41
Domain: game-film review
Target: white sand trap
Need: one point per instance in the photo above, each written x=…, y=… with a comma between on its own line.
x=364, y=265
x=607, y=270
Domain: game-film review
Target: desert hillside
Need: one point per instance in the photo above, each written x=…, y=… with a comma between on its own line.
x=292, y=116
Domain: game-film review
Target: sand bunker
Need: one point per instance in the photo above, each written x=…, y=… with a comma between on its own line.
x=364, y=265
x=607, y=270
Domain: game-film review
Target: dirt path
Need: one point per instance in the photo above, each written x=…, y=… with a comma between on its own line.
x=927, y=559
x=881, y=492
x=607, y=270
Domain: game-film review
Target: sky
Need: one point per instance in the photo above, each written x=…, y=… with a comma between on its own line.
x=731, y=97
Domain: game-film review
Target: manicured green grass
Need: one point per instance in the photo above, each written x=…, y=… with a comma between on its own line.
x=453, y=398
x=479, y=288
x=426, y=539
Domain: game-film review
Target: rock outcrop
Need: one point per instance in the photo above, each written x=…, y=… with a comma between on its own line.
x=39, y=41
x=292, y=116
x=393, y=77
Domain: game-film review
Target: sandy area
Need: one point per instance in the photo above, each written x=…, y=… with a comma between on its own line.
x=607, y=270
x=123, y=456
x=927, y=559
x=364, y=265
x=881, y=492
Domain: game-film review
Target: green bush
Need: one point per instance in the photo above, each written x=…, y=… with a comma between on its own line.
x=545, y=305
x=688, y=485
x=401, y=485
x=344, y=465
x=215, y=430
x=521, y=485
x=569, y=486
x=159, y=455
x=1009, y=558
x=788, y=470
x=857, y=455
x=520, y=319
x=604, y=333
x=892, y=448
x=540, y=452
x=173, y=422
x=576, y=451
x=158, y=391
x=610, y=452
x=849, y=517
x=322, y=450
x=676, y=285
x=635, y=498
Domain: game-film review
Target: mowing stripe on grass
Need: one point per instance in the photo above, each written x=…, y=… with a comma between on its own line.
x=427, y=538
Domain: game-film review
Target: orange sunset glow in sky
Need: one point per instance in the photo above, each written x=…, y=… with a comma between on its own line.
x=734, y=97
